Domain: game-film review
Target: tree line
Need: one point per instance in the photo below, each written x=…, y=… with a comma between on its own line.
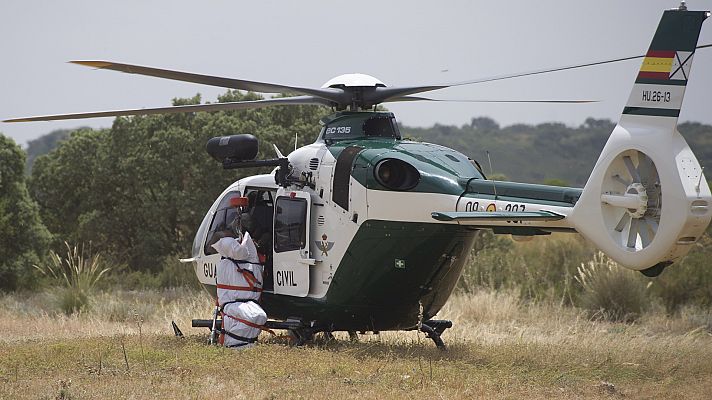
x=545, y=152
x=138, y=191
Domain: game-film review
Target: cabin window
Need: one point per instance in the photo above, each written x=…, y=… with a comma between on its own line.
x=290, y=224
x=381, y=126
x=261, y=212
x=222, y=217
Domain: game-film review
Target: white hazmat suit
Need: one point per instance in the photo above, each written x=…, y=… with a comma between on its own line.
x=239, y=286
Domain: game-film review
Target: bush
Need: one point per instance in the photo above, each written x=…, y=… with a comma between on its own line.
x=541, y=270
x=611, y=292
x=688, y=282
x=77, y=274
x=171, y=274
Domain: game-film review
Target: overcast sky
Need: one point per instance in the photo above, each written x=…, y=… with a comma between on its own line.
x=305, y=43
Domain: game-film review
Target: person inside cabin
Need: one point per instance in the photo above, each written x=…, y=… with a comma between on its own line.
x=258, y=221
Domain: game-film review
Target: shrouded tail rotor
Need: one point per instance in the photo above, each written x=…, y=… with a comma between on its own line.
x=647, y=200
x=631, y=200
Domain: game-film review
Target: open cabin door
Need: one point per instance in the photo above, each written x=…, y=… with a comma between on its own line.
x=291, y=243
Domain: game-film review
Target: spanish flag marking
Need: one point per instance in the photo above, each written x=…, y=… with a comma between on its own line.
x=657, y=65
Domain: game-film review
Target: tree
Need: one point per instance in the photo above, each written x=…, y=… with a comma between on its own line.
x=140, y=190
x=44, y=144
x=484, y=124
x=23, y=238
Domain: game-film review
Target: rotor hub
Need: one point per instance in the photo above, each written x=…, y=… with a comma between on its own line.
x=353, y=80
x=640, y=195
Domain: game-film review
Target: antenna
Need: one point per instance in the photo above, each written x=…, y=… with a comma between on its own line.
x=276, y=150
x=295, y=140
x=494, y=186
x=699, y=182
x=683, y=6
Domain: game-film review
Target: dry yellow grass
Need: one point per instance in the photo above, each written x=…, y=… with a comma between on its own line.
x=498, y=348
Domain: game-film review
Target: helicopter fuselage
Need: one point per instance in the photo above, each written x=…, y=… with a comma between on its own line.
x=353, y=242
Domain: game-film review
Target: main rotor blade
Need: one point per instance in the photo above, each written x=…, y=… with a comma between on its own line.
x=418, y=98
x=556, y=69
x=238, y=105
x=382, y=95
x=335, y=95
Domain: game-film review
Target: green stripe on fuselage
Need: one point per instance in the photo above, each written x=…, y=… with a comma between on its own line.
x=389, y=270
x=523, y=192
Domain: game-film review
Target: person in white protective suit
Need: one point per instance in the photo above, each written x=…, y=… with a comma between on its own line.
x=239, y=286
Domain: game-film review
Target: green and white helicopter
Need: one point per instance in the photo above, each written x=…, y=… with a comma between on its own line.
x=370, y=232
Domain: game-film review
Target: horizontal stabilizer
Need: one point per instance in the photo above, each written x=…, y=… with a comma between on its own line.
x=484, y=216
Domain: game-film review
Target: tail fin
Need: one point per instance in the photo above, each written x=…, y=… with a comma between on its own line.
x=660, y=85
x=647, y=200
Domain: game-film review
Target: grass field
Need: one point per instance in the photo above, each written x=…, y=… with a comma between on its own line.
x=124, y=348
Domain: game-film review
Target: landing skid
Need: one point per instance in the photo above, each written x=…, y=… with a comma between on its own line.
x=302, y=334
x=434, y=328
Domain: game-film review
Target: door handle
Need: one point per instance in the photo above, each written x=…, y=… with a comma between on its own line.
x=307, y=261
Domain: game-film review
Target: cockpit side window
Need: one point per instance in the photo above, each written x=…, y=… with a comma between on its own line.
x=200, y=235
x=290, y=224
x=223, y=216
x=381, y=126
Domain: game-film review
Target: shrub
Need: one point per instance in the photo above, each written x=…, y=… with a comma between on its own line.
x=611, y=292
x=170, y=274
x=688, y=282
x=77, y=273
x=540, y=270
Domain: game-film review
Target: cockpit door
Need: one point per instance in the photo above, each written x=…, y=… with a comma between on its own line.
x=291, y=243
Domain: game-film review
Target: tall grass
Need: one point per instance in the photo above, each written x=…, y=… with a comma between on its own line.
x=567, y=270
x=77, y=273
x=610, y=292
x=540, y=270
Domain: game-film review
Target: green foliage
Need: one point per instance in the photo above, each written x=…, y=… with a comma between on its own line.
x=566, y=269
x=44, y=144
x=556, y=182
x=139, y=191
x=610, y=292
x=77, y=274
x=170, y=274
x=542, y=269
x=62, y=182
x=23, y=238
x=688, y=282
x=536, y=153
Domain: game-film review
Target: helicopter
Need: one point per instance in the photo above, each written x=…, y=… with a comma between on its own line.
x=367, y=231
